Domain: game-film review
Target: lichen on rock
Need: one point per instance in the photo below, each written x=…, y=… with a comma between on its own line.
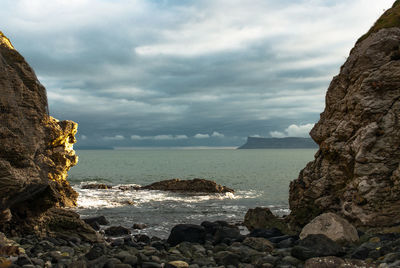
x=356, y=171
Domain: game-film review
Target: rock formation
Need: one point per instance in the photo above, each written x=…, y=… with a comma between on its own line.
x=189, y=186
x=356, y=171
x=35, y=150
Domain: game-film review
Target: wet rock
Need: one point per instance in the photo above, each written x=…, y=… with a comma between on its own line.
x=333, y=226
x=316, y=246
x=195, y=185
x=96, y=186
x=117, y=231
x=356, y=171
x=143, y=238
x=187, y=232
x=262, y=218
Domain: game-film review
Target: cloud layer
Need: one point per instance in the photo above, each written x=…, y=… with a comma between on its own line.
x=130, y=71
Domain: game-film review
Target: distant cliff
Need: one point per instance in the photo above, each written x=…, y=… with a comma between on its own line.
x=278, y=143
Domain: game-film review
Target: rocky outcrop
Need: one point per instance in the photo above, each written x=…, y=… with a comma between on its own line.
x=356, y=172
x=35, y=149
x=189, y=186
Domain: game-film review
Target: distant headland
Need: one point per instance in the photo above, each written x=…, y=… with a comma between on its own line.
x=278, y=143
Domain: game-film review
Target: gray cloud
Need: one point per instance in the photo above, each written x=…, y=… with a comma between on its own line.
x=160, y=71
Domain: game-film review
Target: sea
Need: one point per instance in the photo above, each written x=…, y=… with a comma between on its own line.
x=259, y=177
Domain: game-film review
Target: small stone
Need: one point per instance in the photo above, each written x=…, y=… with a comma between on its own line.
x=259, y=244
x=95, y=252
x=374, y=239
x=151, y=265
x=177, y=264
x=139, y=226
x=227, y=258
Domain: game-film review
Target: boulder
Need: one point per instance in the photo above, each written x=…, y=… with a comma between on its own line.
x=262, y=218
x=356, y=171
x=187, y=232
x=333, y=226
x=36, y=152
x=189, y=186
x=316, y=246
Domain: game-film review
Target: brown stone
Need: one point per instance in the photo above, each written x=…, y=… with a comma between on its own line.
x=190, y=186
x=332, y=226
x=356, y=171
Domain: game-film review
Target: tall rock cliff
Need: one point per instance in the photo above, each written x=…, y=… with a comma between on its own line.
x=356, y=172
x=35, y=150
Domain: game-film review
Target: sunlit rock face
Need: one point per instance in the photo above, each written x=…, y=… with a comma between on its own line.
x=35, y=149
x=356, y=172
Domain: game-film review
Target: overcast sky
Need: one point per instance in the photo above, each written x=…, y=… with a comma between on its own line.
x=186, y=73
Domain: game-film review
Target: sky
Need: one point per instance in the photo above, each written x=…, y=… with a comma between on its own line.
x=171, y=73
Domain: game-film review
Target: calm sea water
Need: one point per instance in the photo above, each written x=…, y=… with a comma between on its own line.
x=259, y=177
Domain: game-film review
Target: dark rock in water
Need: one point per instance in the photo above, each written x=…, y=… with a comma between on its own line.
x=316, y=246
x=117, y=231
x=139, y=226
x=189, y=186
x=356, y=172
x=263, y=218
x=36, y=151
x=187, y=232
x=142, y=238
x=99, y=219
x=266, y=233
x=96, y=186
x=129, y=187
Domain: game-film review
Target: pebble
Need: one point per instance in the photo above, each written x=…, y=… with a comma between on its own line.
x=222, y=250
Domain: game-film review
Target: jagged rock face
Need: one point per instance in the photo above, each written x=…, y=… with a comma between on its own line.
x=356, y=171
x=35, y=149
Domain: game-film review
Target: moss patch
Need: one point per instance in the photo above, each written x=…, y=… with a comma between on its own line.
x=389, y=19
